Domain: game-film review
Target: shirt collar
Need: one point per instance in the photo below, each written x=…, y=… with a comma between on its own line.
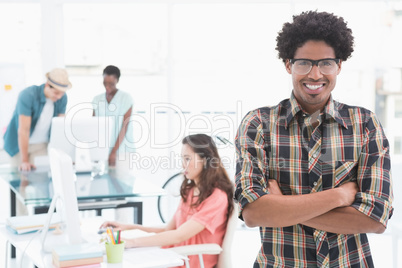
x=292, y=109
x=42, y=93
x=330, y=109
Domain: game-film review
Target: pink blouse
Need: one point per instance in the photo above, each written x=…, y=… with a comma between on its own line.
x=212, y=214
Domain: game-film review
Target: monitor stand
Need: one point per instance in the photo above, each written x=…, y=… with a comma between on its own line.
x=83, y=163
x=59, y=236
x=61, y=239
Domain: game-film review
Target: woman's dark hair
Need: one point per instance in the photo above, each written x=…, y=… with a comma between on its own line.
x=212, y=176
x=112, y=70
x=317, y=26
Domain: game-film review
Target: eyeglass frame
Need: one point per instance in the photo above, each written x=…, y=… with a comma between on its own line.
x=315, y=62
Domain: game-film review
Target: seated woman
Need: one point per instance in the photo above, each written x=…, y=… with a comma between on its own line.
x=205, y=205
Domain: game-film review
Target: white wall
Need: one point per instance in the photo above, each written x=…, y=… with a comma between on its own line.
x=207, y=58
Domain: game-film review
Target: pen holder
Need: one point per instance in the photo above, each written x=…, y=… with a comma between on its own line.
x=114, y=252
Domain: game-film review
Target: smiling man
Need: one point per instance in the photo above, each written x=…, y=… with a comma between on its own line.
x=313, y=173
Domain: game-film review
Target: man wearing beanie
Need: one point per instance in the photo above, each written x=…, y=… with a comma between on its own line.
x=27, y=134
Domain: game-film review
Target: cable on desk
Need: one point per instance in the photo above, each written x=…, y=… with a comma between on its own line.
x=26, y=247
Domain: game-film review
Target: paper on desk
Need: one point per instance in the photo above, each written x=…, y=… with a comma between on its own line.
x=32, y=221
x=134, y=234
x=151, y=257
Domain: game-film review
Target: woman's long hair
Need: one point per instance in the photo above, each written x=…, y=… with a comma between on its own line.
x=213, y=174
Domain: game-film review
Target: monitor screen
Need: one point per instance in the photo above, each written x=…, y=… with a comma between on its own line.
x=89, y=134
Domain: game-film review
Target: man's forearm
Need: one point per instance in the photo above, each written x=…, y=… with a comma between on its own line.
x=23, y=143
x=23, y=136
x=345, y=220
x=285, y=210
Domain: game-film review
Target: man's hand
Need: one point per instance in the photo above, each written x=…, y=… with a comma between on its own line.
x=349, y=191
x=273, y=187
x=26, y=166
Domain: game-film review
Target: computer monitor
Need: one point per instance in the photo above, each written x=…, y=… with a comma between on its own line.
x=64, y=200
x=82, y=137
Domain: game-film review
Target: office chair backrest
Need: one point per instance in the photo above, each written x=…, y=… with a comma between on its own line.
x=225, y=260
x=224, y=252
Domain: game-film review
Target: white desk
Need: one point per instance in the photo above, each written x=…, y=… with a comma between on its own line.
x=152, y=257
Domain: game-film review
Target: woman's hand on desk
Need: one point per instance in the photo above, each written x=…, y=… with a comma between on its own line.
x=129, y=242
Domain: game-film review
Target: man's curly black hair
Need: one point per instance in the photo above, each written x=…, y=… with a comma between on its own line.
x=318, y=26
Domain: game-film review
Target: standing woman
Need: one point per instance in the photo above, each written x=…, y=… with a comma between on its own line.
x=119, y=105
x=205, y=205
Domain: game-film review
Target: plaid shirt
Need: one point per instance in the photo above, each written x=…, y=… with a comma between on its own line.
x=348, y=145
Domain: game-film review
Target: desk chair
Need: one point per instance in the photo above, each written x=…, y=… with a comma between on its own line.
x=224, y=252
x=167, y=204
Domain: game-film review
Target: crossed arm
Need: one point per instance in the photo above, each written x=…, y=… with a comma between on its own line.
x=328, y=210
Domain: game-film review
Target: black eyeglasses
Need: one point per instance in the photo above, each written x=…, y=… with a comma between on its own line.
x=304, y=66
